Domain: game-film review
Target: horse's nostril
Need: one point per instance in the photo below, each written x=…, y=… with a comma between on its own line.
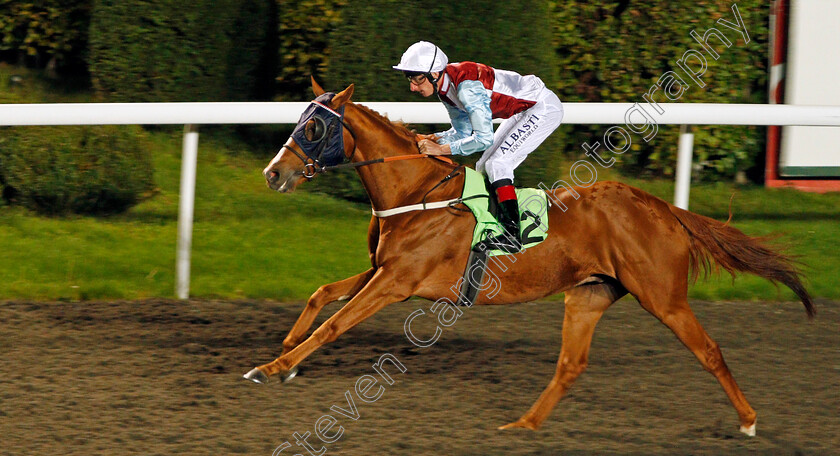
x=273, y=175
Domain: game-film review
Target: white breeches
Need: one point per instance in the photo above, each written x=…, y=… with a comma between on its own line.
x=519, y=135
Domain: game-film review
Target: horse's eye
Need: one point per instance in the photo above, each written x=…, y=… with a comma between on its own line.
x=314, y=130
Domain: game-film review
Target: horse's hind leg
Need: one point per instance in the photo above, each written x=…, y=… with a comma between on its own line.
x=584, y=306
x=679, y=317
x=336, y=291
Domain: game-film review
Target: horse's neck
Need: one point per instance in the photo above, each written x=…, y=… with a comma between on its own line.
x=396, y=183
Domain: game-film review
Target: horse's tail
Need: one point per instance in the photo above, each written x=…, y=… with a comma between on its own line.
x=735, y=251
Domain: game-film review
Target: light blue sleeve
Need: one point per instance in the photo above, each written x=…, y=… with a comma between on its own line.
x=461, y=126
x=472, y=130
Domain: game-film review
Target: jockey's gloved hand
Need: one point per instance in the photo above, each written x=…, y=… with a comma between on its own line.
x=419, y=137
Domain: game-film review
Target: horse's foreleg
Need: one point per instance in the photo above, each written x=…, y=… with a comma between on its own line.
x=382, y=289
x=584, y=306
x=336, y=291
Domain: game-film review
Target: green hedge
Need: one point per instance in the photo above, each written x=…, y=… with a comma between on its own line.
x=171, y=50
x=372, y=36
x=82, y=170
x=304, y=44
x=51, y=33
x=615, y=51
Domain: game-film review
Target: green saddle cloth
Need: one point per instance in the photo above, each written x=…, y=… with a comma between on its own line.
x=533, y=212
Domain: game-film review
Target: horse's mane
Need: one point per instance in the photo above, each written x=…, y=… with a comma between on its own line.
x=398, y=127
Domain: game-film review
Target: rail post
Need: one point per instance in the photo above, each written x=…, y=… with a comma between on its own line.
x=186, y=205
x=684, y=157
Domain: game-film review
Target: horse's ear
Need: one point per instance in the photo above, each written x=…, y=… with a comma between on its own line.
x=342, y=97
x=316, y=88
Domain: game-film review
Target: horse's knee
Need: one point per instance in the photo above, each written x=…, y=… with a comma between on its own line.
x=326, y=333
x=319, y=299
x=290, y=342
x=569, y=369
x=713, y=357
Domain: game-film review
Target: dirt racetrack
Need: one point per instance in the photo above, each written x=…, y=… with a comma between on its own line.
x=165, y=378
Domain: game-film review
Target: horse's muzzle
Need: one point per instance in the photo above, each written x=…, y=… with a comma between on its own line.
x=271, y=177
x=281, y=182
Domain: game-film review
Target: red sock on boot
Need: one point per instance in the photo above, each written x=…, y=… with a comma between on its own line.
x=505, y=193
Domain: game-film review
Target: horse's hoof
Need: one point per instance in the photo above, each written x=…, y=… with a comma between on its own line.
x=289, y=374
x=749, y=430
x=256, y=376
x=518, y=424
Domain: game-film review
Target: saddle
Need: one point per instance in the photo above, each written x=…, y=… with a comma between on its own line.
x=477, y=196
x=533, y=211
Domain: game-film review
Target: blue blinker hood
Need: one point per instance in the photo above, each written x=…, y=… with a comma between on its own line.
x=327, y=148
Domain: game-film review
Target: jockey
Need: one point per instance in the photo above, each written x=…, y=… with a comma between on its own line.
x=474, y=94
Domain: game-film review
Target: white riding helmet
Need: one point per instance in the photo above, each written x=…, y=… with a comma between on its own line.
x=422, y=57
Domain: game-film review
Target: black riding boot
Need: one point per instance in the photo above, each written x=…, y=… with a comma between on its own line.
x=511, y=240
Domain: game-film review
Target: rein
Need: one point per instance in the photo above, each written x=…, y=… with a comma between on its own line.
x=385, y=160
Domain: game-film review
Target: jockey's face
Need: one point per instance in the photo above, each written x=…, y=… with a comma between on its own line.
x=422, y=85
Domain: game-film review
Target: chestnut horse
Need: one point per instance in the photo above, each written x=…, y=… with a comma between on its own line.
x=612, y=240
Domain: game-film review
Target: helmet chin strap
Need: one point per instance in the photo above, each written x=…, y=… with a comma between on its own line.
x=434, y=81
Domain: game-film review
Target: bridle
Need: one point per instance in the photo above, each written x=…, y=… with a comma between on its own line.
x=313, y=135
